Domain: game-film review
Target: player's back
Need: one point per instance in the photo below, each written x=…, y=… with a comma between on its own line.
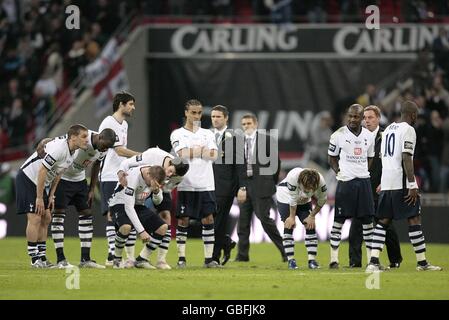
x=396, y=139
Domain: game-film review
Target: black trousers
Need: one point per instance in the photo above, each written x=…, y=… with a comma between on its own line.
x=261, y=207
x=221, y=224
x=356, y=239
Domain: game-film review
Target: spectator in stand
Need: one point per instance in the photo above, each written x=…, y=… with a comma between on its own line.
x=17, y=124
x=440, y=50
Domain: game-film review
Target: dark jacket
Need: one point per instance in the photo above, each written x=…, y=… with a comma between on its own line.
x=260, y=185
x=375, y=170
x=225, y=168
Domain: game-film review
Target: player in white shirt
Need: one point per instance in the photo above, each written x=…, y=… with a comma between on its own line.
x=399, y=198
x=123, y=107
x=128, y=210
x=196, y=196
x=350, y=154
x=73, y=190
x=33, y=180
x=175, y=169
x=294, y=195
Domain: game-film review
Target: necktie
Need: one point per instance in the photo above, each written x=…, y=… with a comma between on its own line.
x=217, y=138
x=249, y=151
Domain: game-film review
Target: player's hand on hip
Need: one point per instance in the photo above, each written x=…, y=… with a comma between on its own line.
x=290, y=223
x=40, y=206
x=411, y=197
x=241, y=196
x=122, y=179
x=144, y=236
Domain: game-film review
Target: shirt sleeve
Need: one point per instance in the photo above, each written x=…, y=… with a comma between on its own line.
x=334, y=149
x=132, y=162
x=321, y=193
x=292, y=186
x=177, y=142
x=53, y=154
x=157, y=197
x=129, y=201
x=409, y=141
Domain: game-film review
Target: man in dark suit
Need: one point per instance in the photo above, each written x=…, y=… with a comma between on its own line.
x=226, y=182
x=258, y=177
x=371, y=115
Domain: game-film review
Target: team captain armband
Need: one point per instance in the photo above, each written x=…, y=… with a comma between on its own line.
x=408, y=145
x=332, y=147
x=49, y=160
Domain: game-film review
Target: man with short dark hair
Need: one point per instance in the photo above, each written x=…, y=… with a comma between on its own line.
x=257, y=181
x=73, y=190
x=351, y=150
x=123, y=107
x=34, y=177
x=226, y=181
x=196, y=196
x=399, y=197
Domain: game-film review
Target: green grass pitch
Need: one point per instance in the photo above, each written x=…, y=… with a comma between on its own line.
x=264, y=277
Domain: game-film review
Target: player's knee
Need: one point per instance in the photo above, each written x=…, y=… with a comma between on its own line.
x=162, y=229
x=183, y=222
x=414, y=220
x=125, y=229
x=165, y=215
x=208, y=220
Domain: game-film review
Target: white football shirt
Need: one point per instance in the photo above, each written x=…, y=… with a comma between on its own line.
x=77, y=171
x=134, y=194
x=112, y=160
x=354, y=152
x=57, y=159
x=291, y=192
x=200, y=176
x=152, y=157
x=396, y=139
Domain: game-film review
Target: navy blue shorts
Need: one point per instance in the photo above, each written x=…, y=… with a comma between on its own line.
x=166, y=203
x=150, y=220
x=354, y=199
x=70, y=193
x=392, y=205
x=107, y=190
x=302, y=211
x=196, y=204
x=26, y=194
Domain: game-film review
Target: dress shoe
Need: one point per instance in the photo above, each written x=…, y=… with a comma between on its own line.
x=227, y=251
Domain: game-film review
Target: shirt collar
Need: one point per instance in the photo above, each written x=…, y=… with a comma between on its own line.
x=220, y=131
x=252, y=136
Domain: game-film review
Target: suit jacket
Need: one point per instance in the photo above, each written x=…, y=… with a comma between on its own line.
x=225, y=168
x=260, y=185
x=376, y=167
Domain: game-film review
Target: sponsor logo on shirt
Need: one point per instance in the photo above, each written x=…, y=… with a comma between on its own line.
x=50, y=160
x=408, y=145
x=357, y=151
